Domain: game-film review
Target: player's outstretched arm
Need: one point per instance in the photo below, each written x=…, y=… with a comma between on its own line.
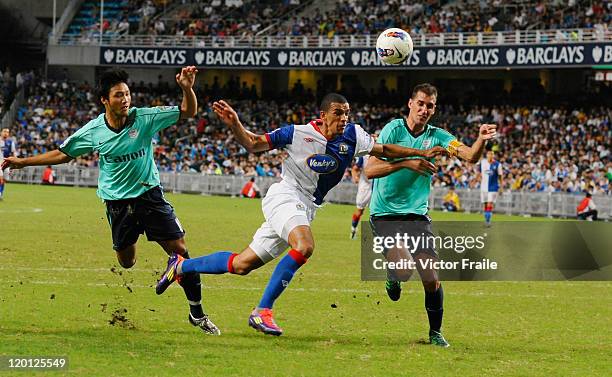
x=397, y=151
x=50, y=158
x=377, y=168
x=186, y=79
x=474, y=153
x=252, y=142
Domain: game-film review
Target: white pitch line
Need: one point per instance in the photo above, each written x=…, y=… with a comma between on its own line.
x=235, y=288
x=130, y=271
x=22, y=210
x=329, y=290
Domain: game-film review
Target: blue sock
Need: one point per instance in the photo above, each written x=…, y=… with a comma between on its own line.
x=487, y=215
x=216, y=263
x=1, y=189
x=282, y=275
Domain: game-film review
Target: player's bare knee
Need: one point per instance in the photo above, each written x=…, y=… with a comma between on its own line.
x=403, y=275
x=306, y=249
x=431, y=285
x=242, y=269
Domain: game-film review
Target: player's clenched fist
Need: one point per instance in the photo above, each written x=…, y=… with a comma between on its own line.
x=488, y=131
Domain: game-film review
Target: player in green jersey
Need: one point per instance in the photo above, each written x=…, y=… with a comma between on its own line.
x=401, y=190
x=129, y=180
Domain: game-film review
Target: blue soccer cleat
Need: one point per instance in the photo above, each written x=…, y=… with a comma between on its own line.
x=170, y=275
x=263, y=320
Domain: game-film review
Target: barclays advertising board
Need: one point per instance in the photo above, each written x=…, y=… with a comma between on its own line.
x=450, y=57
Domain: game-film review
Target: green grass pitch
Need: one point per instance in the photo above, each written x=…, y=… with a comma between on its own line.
x=63, y=293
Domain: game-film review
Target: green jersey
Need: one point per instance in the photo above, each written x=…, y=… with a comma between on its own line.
x=406, y=191
x=127, y=168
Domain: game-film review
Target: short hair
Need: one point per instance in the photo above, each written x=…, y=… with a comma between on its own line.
x=332, y=98
x=109, y=79
x=426, y=88
x=588, y=194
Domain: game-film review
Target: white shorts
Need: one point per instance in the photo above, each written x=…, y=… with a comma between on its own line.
x=284, y=208
x=364, y=193
x=488, y=196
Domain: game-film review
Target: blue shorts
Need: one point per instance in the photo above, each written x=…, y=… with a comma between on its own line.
x=149, y=213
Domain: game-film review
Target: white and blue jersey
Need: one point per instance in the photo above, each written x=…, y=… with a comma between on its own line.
x=490, y=175
x=8, y=147
x=315, y=165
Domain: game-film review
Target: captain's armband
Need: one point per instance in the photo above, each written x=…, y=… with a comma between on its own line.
x=453, y=147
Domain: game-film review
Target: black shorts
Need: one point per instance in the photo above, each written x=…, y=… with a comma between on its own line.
x=149, y=213
x=412, y=224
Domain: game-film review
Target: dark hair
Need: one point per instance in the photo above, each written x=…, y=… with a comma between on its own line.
x=332, y=98
x=109, y=79
x=426, y=88
x=588, y=194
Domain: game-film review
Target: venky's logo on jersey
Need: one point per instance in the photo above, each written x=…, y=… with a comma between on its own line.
x=343, y=148
x=322, y=163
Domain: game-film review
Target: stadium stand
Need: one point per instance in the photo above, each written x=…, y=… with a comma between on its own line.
x=531, y=137
x=232, y=17
x=349, y=17
x=371, y=17
x=119, y=17
x=10, y=84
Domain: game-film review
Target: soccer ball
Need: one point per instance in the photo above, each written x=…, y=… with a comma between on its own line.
x=394, y=46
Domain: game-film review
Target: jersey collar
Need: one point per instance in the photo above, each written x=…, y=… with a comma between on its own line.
x=413, y=134
x=315, y=124
x=131, y=118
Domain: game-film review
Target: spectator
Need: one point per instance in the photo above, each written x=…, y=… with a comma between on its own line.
x=48, y=177
x=250, y=190
x=587, y=210
x=451, y=202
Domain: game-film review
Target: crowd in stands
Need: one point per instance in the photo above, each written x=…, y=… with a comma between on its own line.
x=542, y=149
x=346, y=17
x=120, y=17
x=360, y=17
x=222, y=18
x=9, y=83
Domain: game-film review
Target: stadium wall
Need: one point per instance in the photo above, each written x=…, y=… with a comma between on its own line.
x=511, y=203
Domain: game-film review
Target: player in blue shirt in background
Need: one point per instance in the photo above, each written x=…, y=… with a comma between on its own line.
x=491, y=182
x=8, y=148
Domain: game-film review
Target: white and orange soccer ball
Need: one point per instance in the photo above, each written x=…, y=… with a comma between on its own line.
x=394, y=46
